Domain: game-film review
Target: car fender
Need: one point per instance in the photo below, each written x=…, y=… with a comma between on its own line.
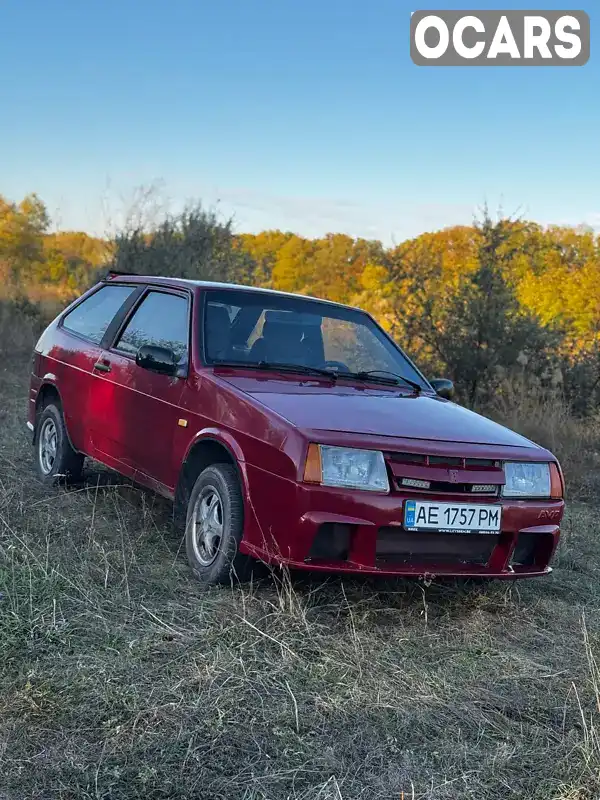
x=252, y=529
x=232, y=446
x=49, y=379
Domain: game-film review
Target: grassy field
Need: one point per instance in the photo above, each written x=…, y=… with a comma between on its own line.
x=121, y=678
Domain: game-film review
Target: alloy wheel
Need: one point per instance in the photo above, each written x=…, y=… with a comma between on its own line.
x=48, y=446
x=207, y=521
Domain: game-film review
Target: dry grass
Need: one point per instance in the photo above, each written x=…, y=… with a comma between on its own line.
x=543, y=416
x=22, y=320
x=17, y=332
x=122, y=678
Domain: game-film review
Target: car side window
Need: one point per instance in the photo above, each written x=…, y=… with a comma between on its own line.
x=161, y=319
x=92, y=317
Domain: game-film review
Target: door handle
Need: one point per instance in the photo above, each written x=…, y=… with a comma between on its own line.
x=102, y=366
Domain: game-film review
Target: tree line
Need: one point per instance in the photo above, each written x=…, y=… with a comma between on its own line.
x=477, y=303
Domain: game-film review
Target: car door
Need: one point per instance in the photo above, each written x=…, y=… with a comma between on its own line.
x=76, y=348
x=145, y=405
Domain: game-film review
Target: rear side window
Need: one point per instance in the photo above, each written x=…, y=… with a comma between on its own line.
x=92, y=317
x=161, y=319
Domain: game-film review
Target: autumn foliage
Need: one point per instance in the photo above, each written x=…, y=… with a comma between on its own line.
x=479, y=303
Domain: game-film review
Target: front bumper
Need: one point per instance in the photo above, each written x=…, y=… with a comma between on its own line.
x=336, y=530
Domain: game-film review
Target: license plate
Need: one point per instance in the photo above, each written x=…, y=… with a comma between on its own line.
x=452, y=517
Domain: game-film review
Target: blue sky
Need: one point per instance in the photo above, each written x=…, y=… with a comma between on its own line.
x=305, y=115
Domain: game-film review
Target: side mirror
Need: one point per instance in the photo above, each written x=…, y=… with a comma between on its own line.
x=156, y=359
x=443, y=388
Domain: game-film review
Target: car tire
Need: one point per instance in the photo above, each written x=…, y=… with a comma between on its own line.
x=215, y=525
x=54, y=456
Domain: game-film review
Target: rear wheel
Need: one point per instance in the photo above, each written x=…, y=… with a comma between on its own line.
x=215, y=526
x=54, y=456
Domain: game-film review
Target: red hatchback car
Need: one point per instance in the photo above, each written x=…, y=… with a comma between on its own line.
x=291, y=430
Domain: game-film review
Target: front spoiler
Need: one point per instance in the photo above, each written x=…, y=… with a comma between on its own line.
x=426, y=571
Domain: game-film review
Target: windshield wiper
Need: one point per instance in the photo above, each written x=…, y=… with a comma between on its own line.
x=375, y=376
x=326, y=373
x=275, y=365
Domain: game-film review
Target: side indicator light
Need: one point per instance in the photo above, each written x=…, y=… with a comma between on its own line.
x=313, y=472
x=183, y=423
x=556, y=485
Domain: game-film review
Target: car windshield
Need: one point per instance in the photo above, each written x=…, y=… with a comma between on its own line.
x=259, y=328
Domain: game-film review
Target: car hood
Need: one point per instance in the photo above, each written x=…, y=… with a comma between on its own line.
x=375, y=411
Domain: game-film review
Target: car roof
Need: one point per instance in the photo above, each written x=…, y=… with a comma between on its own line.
x=186, y=283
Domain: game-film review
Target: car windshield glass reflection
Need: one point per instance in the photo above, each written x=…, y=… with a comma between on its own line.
x=267, y=330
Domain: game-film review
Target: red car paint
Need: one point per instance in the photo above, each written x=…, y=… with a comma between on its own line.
x=145, y=425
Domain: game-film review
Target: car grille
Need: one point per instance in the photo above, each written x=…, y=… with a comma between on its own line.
x=444, y=487
x=398, y=546
x=451, y=475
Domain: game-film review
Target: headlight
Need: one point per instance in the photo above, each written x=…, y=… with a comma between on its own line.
x=526, y=480
x=346, y=467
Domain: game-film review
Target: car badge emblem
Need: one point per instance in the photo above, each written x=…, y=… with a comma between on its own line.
x=453, y=475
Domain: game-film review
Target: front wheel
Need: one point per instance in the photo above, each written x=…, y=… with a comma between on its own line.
x=54, y=456
x=215, y=526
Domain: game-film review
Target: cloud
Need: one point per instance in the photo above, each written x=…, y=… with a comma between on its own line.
x=593, y=219
x=316, y=215
x=254, y=210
